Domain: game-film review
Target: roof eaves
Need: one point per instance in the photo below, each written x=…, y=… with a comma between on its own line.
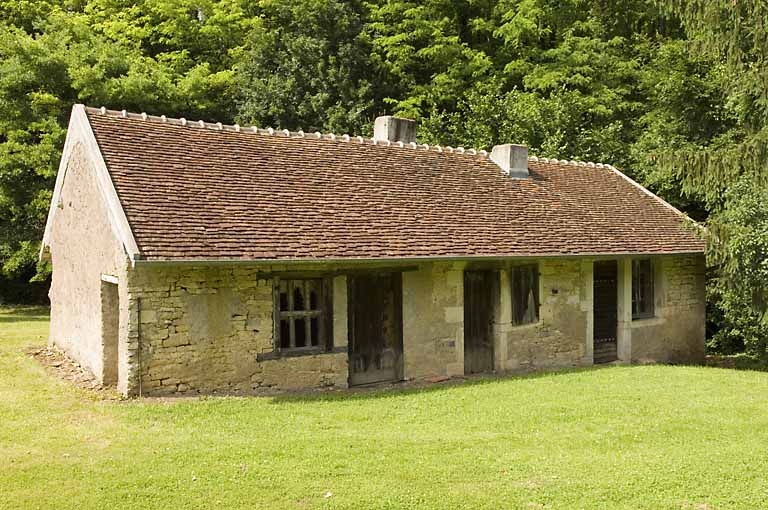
x=442, y=258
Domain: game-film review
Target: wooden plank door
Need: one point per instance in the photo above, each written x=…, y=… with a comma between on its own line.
x=375, y=328
x=605, y=311
x=479, y=292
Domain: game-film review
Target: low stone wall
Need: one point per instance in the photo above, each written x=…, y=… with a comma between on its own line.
x=203, y=328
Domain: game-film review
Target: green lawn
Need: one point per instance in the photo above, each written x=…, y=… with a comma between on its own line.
x=619, y=437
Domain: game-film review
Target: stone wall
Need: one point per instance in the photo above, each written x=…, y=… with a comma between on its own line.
x=433, y=320
x=559, y=338
x=563, y=335
x=210, y=329
x=203, y=328
x=677, y=332
x=83, y=247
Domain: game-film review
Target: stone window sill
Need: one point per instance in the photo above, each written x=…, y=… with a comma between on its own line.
x=647, y=321
x=296, y=353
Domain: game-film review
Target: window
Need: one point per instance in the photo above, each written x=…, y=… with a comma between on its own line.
x=642, y=289
x=301, y=310
x=525, y=294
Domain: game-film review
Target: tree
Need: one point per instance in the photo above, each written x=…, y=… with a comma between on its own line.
x=175, y=57
x=565, y=78
x=307, y=67
x=430, y=52
x=616, y=82
x=727, y=170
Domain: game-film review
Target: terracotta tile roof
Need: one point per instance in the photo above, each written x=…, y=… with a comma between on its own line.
x=192, y=192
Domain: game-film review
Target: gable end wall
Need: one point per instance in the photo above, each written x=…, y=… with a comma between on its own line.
x=83, y=246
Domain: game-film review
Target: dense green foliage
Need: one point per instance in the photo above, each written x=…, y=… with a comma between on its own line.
x=147, y=56
x=739, y=289
x=673, y=92
x=641, y=437
x=727, y=168
x=308, y=66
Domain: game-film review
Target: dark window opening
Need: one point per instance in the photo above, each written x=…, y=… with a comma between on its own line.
x=302, y=311
x=301, y=332
x=298, y=299
x=314, y=328
x=313, y=299
x=285, y=335
x=525, y=294
x=642, y=289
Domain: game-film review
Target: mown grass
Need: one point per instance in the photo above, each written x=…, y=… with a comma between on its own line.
x=619, y=437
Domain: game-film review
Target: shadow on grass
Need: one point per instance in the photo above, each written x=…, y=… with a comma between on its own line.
x=373, y=392
x=404, y=389
x=11, y=314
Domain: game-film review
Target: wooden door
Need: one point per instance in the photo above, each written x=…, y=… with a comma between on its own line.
x=479, y=292
x=110, y=332
x=375, y=325
x=605, y=311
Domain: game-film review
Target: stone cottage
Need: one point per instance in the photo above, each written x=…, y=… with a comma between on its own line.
x=191, y=257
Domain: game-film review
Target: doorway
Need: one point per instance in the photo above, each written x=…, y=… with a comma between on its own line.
x=605, y=311
x=110, y=332
x=479, y=297
x=375, y=323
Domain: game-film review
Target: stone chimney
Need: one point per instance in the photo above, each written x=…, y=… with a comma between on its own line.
x=394, y=129
x=513, y=159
